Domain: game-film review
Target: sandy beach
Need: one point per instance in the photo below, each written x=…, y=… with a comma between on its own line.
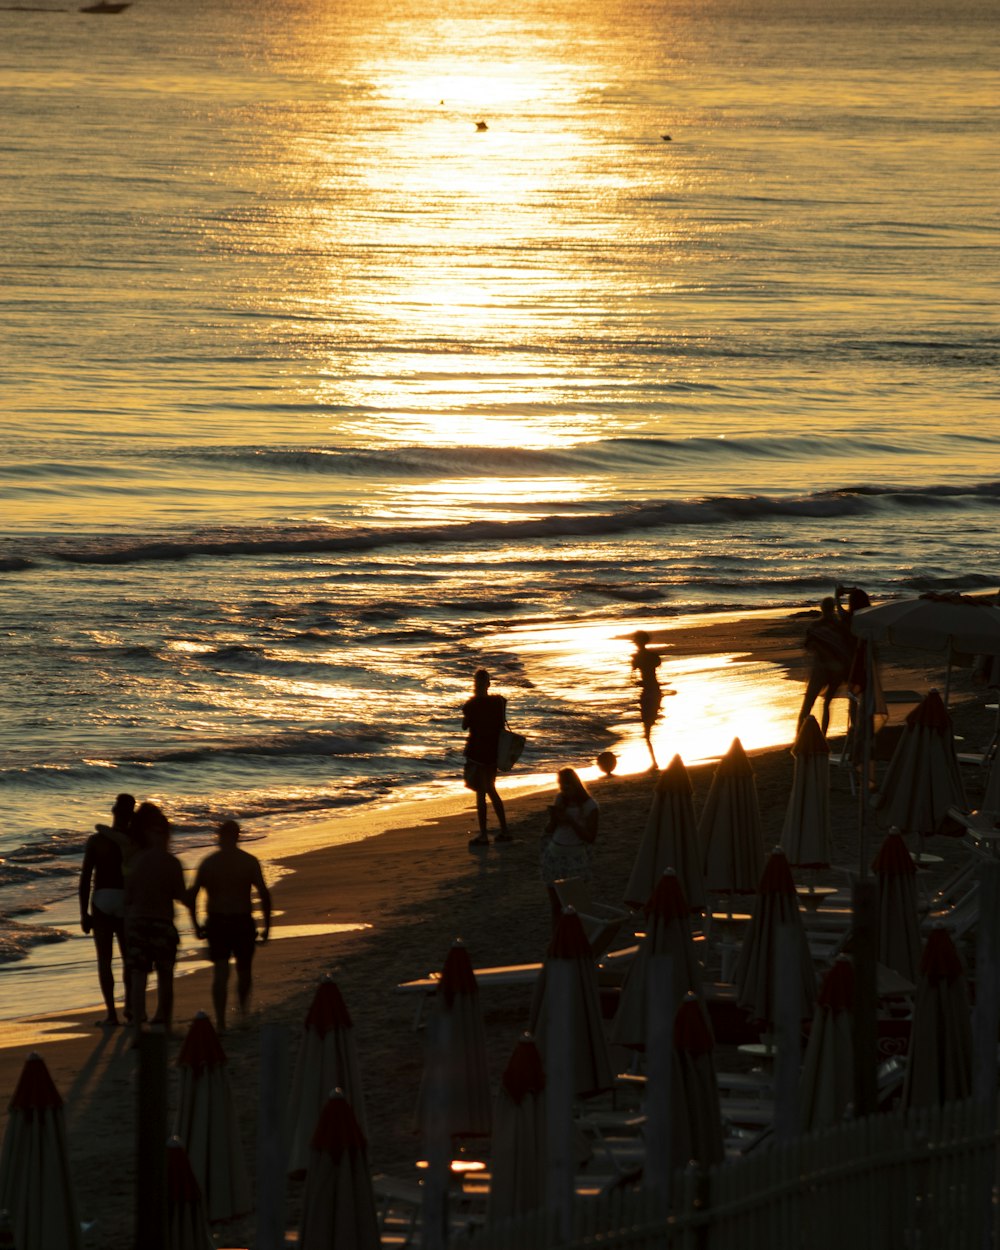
x=414, y=888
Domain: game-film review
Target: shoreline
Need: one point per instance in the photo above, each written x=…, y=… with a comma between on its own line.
x=418, y=887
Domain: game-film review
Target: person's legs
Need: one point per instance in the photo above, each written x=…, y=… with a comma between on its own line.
x=481, y=811
x=104, y=945
x=497, y=802
x=220, y=991
x=244, y=982
x=165, y=993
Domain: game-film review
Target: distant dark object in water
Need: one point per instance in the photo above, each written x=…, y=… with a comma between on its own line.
x=104, y=6
x=481, y=126
x=665, y=138
x=606, y=762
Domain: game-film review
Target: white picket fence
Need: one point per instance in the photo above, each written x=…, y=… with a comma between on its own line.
x=924, y=1181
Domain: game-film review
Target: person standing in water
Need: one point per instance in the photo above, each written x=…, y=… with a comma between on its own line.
x=484, y=716
x=102, y=912
x=644, y=664
x=228, y=876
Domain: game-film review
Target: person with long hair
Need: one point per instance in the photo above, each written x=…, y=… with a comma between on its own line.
x=572, y=828
x=644, y=665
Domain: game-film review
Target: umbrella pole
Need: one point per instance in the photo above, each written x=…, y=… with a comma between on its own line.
x=868, y=714
x=986, y=1014
x=437, y=1132
x=788, y=1022
x=864, y=953
x=151, y=1142
x=560, y=1078
x=660, y=1000
x=947, y=677
x=272, y=1153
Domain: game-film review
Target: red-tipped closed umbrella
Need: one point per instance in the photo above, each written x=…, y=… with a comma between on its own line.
x=697, y=1118
x=939, y=1064
x=668, y=932
x=338, y=1207
x=207, y=1125
x=805, y=835
x=187, y=1224
x=670, y=841
x=923, y=778
x=898, y=921
x=592, y=1070
x=827, y=1083
x=327, y=1059
x=469, y=1100
x=36, y=1189
x=729, y=831
x=518, y=1159
x=776, y=904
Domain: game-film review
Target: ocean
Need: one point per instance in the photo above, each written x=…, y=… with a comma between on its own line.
x=345, y=348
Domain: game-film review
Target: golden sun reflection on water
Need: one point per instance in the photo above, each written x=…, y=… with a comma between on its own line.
x=718, y=696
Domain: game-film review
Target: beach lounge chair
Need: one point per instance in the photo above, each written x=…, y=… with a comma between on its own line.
x=601, y=922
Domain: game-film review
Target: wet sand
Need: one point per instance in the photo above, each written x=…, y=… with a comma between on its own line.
x=418, y=887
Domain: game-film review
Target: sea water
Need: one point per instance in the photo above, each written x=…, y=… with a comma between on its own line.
x=347, y=347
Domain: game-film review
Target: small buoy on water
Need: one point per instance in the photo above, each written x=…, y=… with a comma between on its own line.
x=481, y=126
x=665, y=138
x=606, y=762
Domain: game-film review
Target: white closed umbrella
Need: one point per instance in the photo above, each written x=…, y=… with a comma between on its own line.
x=939, y=1061
x=187, y=1224
x=923, y=778
x=697, y=1119
x=592, y=1068
x=729, y=831
x=207, y=1125
x=469, y=1100
x=826, y=1087
x=338, y=1205
x=776, y=906
x=668, y=932
x=898, y=919
x=670, y=840
x=518, y=1158
x=805, y=835
x=327, y=1059
x=36, y=1188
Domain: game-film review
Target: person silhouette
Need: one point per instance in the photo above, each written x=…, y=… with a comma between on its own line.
x=484, y=716
x=228, y=876
x=644, y=664
x=102, y=902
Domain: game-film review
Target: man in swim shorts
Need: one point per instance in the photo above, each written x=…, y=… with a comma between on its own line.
x=228, y=877
x=102, y=912
x=154, y=883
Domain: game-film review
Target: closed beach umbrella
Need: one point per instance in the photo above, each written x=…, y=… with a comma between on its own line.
x=805, y=835
x=187, y=1224
x=697, y=1119
x=729, y=832
x=827, y=1083
x=207, y=1124
x=923, y=778
x=939, y=1065
x=776, y=904
x=469, y=1111
x=669, y=841
x=668, y=932
x=592, y=1068
x=36, y=1190
x=338, y=1206
x=327, y=1059
x=518, y=1160
x=898, y=920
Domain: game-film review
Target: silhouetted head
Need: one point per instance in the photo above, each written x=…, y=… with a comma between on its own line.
x=857, y=599
x=149, y=826
x=121, y=811
x=228, y=833
x=481, y=681
x=640, y=638
x=828, y=605
x=570, y=786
